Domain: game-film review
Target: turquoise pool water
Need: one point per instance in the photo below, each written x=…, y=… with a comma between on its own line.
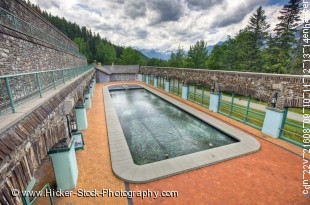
x=156, y=130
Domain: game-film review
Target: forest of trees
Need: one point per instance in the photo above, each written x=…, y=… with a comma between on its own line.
x=252, y=49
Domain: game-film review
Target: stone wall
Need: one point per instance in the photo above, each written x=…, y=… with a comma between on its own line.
x=20, y=9
x=25, y=145
x=20, y=53
x=257, y=85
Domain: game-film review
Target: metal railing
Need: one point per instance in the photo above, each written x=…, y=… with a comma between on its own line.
x=17, y=89
x=10, y=20
x=292, y=131
x=175, y=87
x=161, y=82
x=199, y=96
x=244, y=114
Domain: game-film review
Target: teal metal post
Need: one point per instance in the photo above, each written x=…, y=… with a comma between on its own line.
x=53, y=73
x=203, y=90
x=195, y=91
x=247, y=109
x=283, y=121
x=178, y=87
x=8, y=88
x=39, y=84
x=63, y=76
x=232, y=103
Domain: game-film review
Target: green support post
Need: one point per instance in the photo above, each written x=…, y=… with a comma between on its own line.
x=178, y=87
x=232, y=103
x=189, y=87
x=39, y=84
x=195, y=92
x=54, y=81
x=63, y=76
x=69, y=73
x=247, y=109
x=219, y=105
x=283, y=121
x=202, y=96
x=8, y=88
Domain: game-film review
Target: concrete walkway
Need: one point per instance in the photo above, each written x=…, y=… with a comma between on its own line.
x=95, y=171
x=290, y=115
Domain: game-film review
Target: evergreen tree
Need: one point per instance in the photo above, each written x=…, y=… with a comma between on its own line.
x=177, y=59
x=281, y=47
x=258, y=35
x=198, y=54
x=131, y=57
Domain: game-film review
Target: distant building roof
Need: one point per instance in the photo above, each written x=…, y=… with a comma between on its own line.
x=118, y=69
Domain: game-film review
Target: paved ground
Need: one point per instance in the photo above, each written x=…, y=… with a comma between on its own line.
x=94, y=163
x=271, y=176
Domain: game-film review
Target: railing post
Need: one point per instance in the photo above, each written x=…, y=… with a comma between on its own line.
x=283, y=121
x=203, y=90
x=54, y=81
x=219, y=103
x=195, y=92
x=15, y=24
x=232, y=103
x=63, y=76
x=178, y=87
x=8, y=88
x=70, y=73
x=247, y=109
x=39, y=84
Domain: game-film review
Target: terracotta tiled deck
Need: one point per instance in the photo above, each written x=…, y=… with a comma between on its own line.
x=271, y=176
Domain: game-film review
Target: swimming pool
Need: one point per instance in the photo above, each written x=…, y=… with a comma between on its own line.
x=157, y=130
x=123, y=164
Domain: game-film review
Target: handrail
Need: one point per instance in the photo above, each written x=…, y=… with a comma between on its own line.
x=10, y=20
x=18, y=88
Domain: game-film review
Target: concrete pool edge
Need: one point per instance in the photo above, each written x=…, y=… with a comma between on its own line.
x=125, y=169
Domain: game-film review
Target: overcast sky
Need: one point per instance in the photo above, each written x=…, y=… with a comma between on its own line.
x=162, y=24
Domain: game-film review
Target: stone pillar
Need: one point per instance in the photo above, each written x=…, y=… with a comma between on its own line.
x=155, y=81
x=81, y=117
x=91, y=90
x=147, y=79
x=65, y=166
x=87, y=100
x=185, y=90
x=273, y=122
x=140, y=77
x=94, y=83
x=167, y=85
x=214, y=102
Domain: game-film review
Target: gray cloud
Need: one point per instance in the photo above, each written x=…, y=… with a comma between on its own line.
x=203, y=4
x=135, y=8
x=48, y=4
x=230, y=17
x=168, y=10
x=142, y=34
x=86, y=7
x=159, y=24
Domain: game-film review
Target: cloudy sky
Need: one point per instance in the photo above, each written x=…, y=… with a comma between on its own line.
x=162, y=24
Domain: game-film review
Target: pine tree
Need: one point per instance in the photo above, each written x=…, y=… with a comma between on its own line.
x=258, y=27
x=282, y=46
x=258, y=34
x=198, y=54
